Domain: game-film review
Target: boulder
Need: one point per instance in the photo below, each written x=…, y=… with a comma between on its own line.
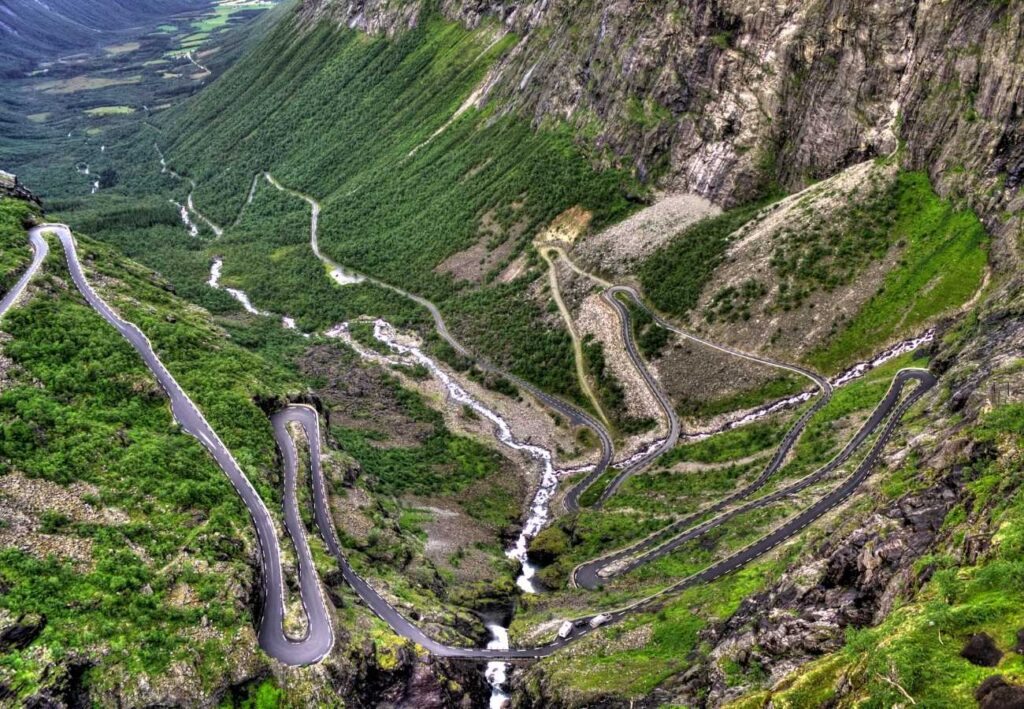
x=996, y=693
x=981, y=650
x=21, y=633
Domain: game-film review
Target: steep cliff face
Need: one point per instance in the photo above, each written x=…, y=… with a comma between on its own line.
x=725, y=97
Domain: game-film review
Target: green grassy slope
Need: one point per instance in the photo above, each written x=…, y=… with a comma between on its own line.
x=944, y=256
x=80, y=408
x=348, y=119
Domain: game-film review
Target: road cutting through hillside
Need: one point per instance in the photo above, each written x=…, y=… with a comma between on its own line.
x=320, y=637
x=577, y=346
x=662, y=543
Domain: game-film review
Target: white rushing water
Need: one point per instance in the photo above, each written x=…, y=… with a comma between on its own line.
x=186, y=219
x=82, y=168
x=901, y=348
x=539, y=513
x=539, y=509
x=242, y=297
x=853, y=373
x=497, y=672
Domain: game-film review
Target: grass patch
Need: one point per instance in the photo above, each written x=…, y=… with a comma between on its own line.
x=84, y=83
x=778, y=387
x=943, y=259
x=15, y=254
x=125, y=48
x=441, y=463
x=728, y=445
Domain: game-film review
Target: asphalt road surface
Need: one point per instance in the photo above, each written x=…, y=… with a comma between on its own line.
x=592, y=574
x=320, y=636
x=39, y=251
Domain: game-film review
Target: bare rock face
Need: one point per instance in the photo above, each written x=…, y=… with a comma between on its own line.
x=722, y=97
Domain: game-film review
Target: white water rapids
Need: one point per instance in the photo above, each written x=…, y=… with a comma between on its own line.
x=497, y=672
x=82, y=168
x=241, y=296
x=193, y=228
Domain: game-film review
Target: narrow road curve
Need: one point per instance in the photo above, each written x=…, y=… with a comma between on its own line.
x=592, y=574
x=653, y=385
x=40, y=249
x=577, y=346
x=320, y=637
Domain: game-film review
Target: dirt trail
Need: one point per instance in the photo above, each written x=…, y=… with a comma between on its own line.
x=577, y=346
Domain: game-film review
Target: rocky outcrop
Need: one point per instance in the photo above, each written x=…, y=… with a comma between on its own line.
x=19, y=634
x=996, y=693
x=724, y=97
x=10, y=186
x=980, y=649
x=851, y=582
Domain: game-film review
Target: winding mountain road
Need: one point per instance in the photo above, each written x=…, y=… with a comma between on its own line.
x=891, y=407
x=664, y=402
x=663, y=542
x=591, y=574
x=611, y=295
x=319, y=639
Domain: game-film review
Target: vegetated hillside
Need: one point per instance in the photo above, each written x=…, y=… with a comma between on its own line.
x=364, y=125
x=567, y=119
x=724, y=97
x=721, y=100
x=31, y=31
x=127, y=560
x=832, y=274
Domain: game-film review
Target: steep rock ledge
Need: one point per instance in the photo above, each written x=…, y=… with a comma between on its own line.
x=726, y=97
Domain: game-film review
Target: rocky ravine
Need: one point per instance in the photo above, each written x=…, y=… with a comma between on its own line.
x=722, y=97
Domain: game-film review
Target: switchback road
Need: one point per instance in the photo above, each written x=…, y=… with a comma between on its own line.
x=320, y=637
